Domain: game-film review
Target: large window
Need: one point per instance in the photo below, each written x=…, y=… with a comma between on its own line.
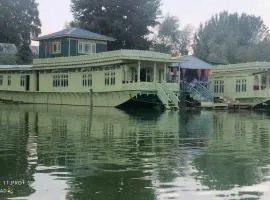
x=86, y=47
x=244, y=85
x=219, y=86
x=60, y=80
x=112, y=78
x=238, y=86
x=22, y=82
x=9, y=79
x=1, y=79
x=241, y=86
x=109, y=78
x=56, y=47
x=87, y=80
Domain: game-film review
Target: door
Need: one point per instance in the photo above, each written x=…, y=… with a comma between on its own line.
x=37, y=81
x=27, y=82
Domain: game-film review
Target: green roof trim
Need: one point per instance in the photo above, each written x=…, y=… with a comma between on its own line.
x=106, y=57
x=75, y=33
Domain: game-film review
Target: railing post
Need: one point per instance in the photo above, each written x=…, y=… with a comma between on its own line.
x=165, y=73
x=139, y=71
x=155, y=71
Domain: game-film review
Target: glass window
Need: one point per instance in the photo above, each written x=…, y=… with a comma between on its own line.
x=1, y=79
x=86, y=47
x=60, y=80
x=56, y=47
x=9, y=79
x=22, y=83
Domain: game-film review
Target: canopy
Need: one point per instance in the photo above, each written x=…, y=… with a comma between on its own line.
x=191, y=62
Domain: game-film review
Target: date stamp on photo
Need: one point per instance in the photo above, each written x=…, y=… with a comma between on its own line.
x=17, y=182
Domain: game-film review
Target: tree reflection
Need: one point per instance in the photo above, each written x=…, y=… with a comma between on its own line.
x=234, y=157
x=16, y=173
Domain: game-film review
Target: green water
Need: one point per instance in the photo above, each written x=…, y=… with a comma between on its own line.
x=62, y=152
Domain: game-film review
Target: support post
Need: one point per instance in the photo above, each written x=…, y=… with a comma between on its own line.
x=260, y=82
x=68, y=47
x=165, y=73
x=179, y=74
x=139, y=71
x=155, y=71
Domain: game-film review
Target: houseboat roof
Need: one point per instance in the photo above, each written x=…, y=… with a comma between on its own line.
x=94, y=60
x=105, y=58
x=250, y=67
x=192, y=62
x=75, y=33
x=8, y=67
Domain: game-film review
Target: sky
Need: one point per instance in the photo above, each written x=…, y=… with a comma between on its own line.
x=55, y=13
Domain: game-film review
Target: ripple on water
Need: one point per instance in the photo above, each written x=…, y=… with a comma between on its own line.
x=76, y=153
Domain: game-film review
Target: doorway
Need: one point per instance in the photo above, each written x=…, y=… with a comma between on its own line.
x=27, y=82
x=37, y=82
x=143, y=75
x=160, y=75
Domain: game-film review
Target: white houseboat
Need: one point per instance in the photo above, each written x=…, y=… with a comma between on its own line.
x=75, y=68
x=243, y=83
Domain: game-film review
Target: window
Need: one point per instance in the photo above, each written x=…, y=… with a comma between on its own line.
x=60, y=80
x=244, y=85
x=87, y=80
x=1, y=79
x=238, y=86
x=219, y=87
x=107, y=78
x=86, y=47
x=22, y=82
x=241, y=86
x=56, y=47
x=9, y=79
x=110, y=78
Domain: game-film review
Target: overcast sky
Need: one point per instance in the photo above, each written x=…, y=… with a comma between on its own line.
x=55, y=13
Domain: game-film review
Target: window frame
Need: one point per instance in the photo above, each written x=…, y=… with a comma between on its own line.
x=58, y=47
x=82, y=47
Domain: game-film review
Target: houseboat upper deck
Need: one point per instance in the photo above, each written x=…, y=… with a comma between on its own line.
x=101, y=79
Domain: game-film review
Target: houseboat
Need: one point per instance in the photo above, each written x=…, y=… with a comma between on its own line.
x=242, y=83
x=75, y=68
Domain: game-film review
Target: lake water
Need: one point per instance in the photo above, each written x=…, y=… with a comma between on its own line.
x=65, y=152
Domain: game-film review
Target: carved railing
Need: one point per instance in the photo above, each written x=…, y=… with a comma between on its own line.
x=162, y=95
x=171, y=94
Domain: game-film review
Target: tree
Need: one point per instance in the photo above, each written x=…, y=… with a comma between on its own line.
x=24, y=55
x=126, y=20
x=19, y=21
x=229, y=38
x=172, y=39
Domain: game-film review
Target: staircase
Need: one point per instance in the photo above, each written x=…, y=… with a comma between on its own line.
x=198, y=91
x=167, y=97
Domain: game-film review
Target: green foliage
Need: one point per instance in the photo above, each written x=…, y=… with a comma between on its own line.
x=172, y=39
x=7, y=59
x=24, y=55
x=126, y=20
x=19, y=21
x=230, y=38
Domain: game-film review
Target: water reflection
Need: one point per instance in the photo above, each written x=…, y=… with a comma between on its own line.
x=64, y=152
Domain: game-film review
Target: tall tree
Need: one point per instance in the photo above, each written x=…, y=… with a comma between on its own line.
x=19, y=21
x=126, y=20
x=225, y=38
x=171, y=39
